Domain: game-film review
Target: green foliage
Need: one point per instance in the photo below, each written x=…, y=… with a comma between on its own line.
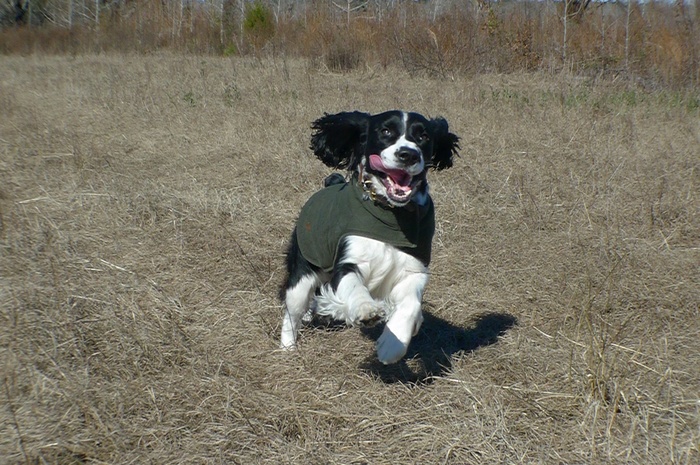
x=189, y=99
x=258, y=21
x=230, y=50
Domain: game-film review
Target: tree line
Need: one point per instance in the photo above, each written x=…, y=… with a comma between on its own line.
x=652, y=42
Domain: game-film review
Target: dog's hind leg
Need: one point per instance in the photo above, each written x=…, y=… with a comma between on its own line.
x=302, y=281
x=296, y=304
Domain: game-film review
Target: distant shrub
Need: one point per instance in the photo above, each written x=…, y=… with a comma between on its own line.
x=259, y=21
x=342, y=57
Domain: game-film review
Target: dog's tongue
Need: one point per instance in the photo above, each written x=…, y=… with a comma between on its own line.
x=399, y=177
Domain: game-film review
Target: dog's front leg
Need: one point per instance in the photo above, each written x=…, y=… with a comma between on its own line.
x=405, y=321
x=347, y=298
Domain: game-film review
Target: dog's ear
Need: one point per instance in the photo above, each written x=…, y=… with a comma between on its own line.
x=336, y=139
x=445, y=144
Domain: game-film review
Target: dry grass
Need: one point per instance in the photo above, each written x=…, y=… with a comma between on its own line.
x=145, y=203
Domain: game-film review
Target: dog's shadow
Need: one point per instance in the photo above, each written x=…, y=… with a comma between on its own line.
x=431, y=351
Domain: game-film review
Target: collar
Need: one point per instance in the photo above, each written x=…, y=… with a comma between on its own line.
x=369, y=192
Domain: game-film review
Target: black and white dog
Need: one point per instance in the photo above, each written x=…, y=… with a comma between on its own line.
x=360, y=250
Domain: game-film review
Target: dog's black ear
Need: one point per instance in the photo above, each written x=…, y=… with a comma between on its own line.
x=337, y=139
x=445, y=144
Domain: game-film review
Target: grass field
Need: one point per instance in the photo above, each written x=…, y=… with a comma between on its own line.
x=145, y=202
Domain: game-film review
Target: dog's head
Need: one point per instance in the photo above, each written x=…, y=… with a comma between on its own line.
x=390, y=151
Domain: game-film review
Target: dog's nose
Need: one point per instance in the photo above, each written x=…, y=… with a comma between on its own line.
x=408, y=156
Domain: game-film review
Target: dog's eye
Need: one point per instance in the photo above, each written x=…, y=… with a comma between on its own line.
x=387, y=132
x=423, y=138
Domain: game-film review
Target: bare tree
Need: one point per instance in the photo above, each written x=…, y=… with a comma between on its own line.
x=350, y=7
x=573, y=10
x=627, y=36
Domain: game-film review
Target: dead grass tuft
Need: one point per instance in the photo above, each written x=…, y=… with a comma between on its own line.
x=145, y=202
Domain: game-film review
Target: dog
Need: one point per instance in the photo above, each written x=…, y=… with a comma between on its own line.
x=361, y=247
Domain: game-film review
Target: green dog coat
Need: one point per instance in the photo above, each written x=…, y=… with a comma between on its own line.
x=344, y=209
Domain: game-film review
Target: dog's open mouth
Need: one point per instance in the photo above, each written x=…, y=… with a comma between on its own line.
x=396, y=181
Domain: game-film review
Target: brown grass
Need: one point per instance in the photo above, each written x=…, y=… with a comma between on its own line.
x=144, y=206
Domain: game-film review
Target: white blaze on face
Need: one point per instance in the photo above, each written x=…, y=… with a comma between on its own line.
x=391, y=160
x=390, y=157
x=398, y=165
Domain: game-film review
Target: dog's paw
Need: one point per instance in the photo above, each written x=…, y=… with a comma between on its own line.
x=288, y=347
x=389, y=348
x=369, y=314
x=288, y=341
x=308, y=317
x=398, y=332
